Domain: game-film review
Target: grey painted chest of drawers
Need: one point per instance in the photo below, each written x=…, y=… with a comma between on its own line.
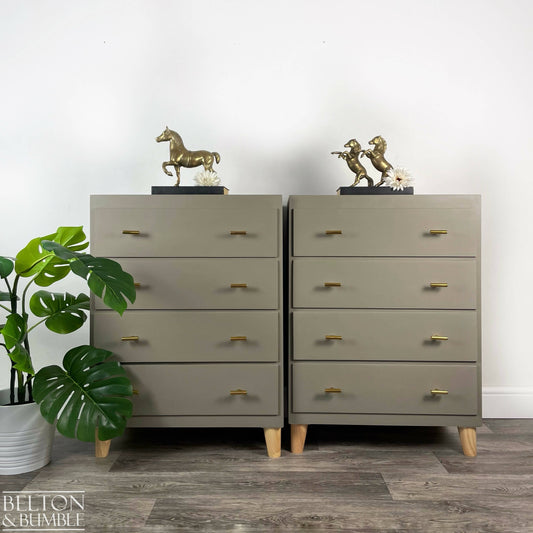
x=384, y=310
x=203, y=342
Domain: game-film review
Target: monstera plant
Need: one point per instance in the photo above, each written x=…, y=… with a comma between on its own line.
x=91, y=390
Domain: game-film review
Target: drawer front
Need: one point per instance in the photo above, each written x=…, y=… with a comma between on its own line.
x=384, y=283
x=188, y=336
x=385, y=232
x=386, y=388
x=185, y=232
x=204, y=389
x=203, y=283
x=385, y=335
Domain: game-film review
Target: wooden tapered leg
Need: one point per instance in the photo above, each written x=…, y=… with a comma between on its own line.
x=273, y=441
x=468, y=441
x=298, y=434
x=101, y=447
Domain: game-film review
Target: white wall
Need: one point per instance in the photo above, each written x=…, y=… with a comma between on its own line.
x=274, y=87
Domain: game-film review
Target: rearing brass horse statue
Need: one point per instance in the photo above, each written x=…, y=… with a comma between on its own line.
x=181, y=157
x=352, y=159
x=377, y=158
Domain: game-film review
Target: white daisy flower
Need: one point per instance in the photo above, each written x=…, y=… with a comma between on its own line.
x=207, y=178
x=398, y=178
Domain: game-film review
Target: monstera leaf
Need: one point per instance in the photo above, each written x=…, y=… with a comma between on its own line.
x=34, y=260
x=91, y=392
x=105, y=277
x=65, y=312
x=14, y=332
x=6, y=267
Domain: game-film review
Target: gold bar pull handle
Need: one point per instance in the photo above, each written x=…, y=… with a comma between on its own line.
x=131, y=232
x=332, y=284
x=334, y=337
x=438, y=231
x=239, y=338
x=239, y=285
x=130, y=338
x=333, y=232
x=238, y=232
x=330, y=390
x=136, y=284
x=238, y=392
x=438, y=338
x=135, y=392
x=439, y=391
x=435, y=284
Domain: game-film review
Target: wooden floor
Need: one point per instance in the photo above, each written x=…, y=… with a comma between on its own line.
x=348, y=479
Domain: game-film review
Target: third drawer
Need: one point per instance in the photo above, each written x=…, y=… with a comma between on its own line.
x=188, y=336
x=375, y=334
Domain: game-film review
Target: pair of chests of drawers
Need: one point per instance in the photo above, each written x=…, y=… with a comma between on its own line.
x=384, y=304
x=208, y=301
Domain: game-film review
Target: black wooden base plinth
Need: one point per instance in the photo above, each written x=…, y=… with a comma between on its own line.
x=372, y=190
x=194, y=189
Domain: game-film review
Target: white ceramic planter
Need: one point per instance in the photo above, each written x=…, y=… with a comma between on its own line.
x=26, y=438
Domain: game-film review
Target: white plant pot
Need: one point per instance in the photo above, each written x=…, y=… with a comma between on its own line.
x=26, y=438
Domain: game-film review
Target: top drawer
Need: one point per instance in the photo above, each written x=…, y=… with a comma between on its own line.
x=184, y=232
x=393, y=231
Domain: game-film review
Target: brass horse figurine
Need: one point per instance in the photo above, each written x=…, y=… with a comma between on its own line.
x=377, y=158
x=352, y=159
x=181, y=157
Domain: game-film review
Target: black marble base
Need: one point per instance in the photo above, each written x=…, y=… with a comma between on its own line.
x=373, y=190
x=194, y=189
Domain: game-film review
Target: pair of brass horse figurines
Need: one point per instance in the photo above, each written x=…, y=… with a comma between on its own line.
x=376, y=156
x=181, y=157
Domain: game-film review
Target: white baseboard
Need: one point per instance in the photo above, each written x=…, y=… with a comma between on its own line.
x=507, y=402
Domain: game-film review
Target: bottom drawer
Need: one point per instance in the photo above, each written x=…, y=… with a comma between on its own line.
x=196, y=389
x=392, y=388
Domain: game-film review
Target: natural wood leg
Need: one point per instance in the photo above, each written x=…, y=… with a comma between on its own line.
x=298, y=434
x=273, y=441
x=468, y=441
x=101, y=447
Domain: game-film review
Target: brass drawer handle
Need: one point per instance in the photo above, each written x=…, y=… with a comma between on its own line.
x=438, y=231
x=130, y=338
x=438, y=338
x=332, y=390
x=237, y=232
x=332, y=284
x=334, y=337
x=131, y=232
x=239, y=338
x=239, y=285
x=438, y=284
x=136, y=284
x=439, y=391
x=333, y=232
x=238, y=392
x=135, y=392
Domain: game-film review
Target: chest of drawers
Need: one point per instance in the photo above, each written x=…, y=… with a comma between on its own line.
x=384, y=311
x=202, y=344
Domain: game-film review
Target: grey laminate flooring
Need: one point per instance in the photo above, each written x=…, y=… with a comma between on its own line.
x=349, y=478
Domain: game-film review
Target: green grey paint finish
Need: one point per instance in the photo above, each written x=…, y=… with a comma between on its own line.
x=185, y=259
x=384, y=310
x=408, y=335
x=401, y=283
x=186, y=232
x=203, y=283
x=389, y=388
x=399, y=231
x=204, y=389
x=193, y=336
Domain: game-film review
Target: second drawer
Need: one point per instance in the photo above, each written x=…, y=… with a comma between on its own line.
x=189, y=336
